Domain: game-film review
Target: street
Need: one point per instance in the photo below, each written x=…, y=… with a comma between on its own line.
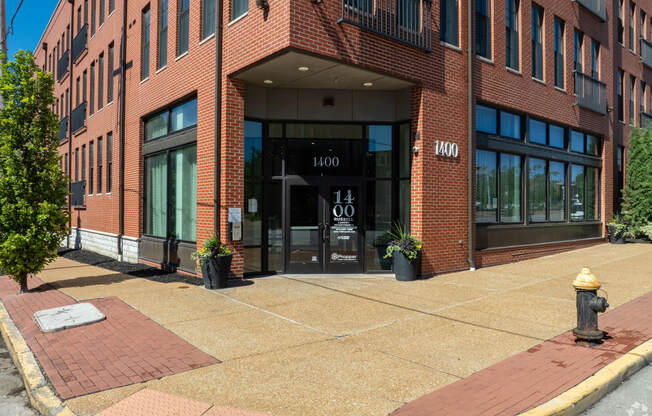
x=632, y=398
x=13, y=399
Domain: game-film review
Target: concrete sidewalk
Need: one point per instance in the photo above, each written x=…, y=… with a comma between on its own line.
x=354, y=345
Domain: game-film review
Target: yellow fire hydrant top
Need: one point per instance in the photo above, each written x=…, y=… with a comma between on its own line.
x=586, y=280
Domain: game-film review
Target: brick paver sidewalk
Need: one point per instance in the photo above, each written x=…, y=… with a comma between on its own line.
x=541, y=373
x=125, y=348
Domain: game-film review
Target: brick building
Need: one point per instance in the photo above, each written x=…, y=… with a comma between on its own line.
x=315, y=124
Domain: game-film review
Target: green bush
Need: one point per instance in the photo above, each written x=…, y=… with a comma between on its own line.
x=33, y=221
x=646, y=231
x=637, y=207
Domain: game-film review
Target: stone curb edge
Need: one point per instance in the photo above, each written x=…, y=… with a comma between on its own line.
x=40, y=394
x=590, y=391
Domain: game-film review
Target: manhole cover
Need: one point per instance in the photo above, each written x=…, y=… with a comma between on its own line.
x=69, y=316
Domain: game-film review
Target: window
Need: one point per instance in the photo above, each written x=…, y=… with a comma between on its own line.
x=483, y=28
x=166, y=122
x=632, y=10
x=510, y=188
x=85, y=12
x=556, y=136
x=207, y=18
x=99, y=165
x=67, y=111
x=77, y=90
x=109, y=87
x=577, y=141
x=642, y=28
x=557, y=190
x=91, y=167
x=65, y=164
x=93, y=7
x=510, y=125
x=183, y=22
x=537, y=42
x=109, y=162
x=592, y=145
x=641, y=103
x=486, y=119
x=486, y=197
x=559, y=53
x=537, y=131
x=449, y=31
x=83, y=163
x=511, y=42
x=84, y=82
x=92, y=93
x=100, y=82
x=238, y=8
x=111, y=6
x=577, y=192
x=578, y=41
x=595, y=59
x=621, y=97
x=144, y=51
x=620, y=158
x=162, y=51
x=102, y=11
x=621, y=22
x=537, y=201
x=171, y=194
x=632, y=82
x=76, y=164
x=79, y=19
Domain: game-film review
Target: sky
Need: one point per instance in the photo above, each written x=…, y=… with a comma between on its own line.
x=29, y=23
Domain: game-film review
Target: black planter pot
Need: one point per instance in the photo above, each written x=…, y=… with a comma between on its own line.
x=404, y=269
x=614, y=238
x=215, y=271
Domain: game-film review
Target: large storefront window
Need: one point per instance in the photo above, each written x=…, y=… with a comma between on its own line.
x=486, y=185
x=312, y=174
x=510, y=188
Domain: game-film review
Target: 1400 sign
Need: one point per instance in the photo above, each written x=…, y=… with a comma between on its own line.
x=346, y=209
x=325, y=161
x=344, y=229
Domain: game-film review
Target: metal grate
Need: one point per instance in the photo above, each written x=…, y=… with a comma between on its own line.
x=590, y=93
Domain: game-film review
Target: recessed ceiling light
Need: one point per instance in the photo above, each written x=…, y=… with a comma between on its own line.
x=368, y=84
x=268, y=81
x=303, y=68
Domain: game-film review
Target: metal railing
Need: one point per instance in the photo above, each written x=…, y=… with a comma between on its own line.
x=597, y=7
x=62, y=65
x=63, y=129
x=78, y=117
x=80, y=42
x=77, y=192
x=407, y=21
x=646, y=53
x=646, y=120
x=590, y=93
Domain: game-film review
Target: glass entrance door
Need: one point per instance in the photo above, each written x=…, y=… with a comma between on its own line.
x=324, y=226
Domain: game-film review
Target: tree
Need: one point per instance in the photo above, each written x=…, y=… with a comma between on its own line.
x=33, y=190
x=638, y=188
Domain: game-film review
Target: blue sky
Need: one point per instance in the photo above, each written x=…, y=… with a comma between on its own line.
x=29, y=23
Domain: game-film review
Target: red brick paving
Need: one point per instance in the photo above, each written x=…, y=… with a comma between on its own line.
x=535, y=376
x=126, y=348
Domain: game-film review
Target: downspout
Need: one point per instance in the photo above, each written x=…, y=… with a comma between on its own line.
x=121, y=155
x=69, y=115
x=218, y=116
x=471, y=142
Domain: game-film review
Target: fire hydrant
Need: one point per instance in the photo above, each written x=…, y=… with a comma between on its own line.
x=588, y=306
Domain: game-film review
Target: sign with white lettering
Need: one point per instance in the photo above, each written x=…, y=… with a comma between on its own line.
x=447, y=149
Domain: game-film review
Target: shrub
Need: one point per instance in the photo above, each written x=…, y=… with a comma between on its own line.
x=637, y=207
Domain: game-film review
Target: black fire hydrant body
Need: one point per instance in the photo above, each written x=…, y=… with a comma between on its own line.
x=588, y=306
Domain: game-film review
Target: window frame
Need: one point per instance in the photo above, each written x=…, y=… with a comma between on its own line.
x=183, y=14
x=145, y=41
x=443, y=18
x=537, y=32
x=486, y=36
x=512, y=34
x=168, y=109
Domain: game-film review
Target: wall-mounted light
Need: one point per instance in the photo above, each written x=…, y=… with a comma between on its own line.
x=262, y=4
x=268, y=81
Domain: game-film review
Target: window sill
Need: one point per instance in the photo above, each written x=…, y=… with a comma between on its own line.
x=161, y=68
x=143, y=80
x=110, y=14
x=514, y=71
x=450, y=46
x=109, y=103
x=561, y=90
x=237, y=19
x=485, y=60
x=181, y=56
x=211, y=36
x=540, y=81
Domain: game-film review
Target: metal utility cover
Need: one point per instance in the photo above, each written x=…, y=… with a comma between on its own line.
x=69, y=316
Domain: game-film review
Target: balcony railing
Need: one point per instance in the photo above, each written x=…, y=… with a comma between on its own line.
x=590, y=93
x=597, y=7
x=646, y=120
x=407, y=21
x=63, y=129
x=79, y=42
x=77, y=192
x=62, y=65
x=78, y=117
x=646, y=53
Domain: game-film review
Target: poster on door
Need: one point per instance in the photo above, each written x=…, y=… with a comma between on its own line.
x=344, y=224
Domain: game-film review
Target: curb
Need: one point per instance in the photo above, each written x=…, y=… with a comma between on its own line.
x=40, y=394
x=590, y=391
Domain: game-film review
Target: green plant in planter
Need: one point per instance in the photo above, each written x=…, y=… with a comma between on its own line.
x=403, y=242
x=646, y=231
x=212, y=248
x=617, y=228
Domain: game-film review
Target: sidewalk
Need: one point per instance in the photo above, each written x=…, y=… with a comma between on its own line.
x=355, y=345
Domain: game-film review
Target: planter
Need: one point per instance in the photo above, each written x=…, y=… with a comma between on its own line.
x=405, y=269
x=215, y=271
x=614, y=238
